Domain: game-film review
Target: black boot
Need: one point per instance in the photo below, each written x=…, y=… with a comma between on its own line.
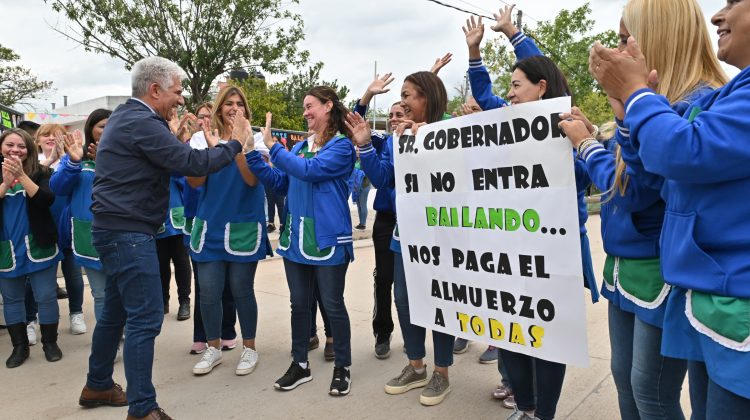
x=49, y=342
x=20, y=345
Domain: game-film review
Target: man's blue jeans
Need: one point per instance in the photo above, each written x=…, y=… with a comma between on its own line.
x=133, y=300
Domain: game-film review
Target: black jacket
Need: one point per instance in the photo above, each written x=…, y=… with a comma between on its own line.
x=134, y=158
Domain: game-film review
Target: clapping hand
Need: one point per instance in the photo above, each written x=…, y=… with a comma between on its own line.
x=440, y=62
x=242, y=132
x=360, y=129
x=13, y=167
x=92, y=150
x=8, y=176
x=72, y=147
x=268, y=139
x=212, y=137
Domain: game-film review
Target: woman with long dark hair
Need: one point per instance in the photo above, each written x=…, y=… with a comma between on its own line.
x=424, y=100
x=316, y=242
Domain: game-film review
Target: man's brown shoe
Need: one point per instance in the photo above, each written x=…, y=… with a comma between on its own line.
x=113, y=397
x=157, y=414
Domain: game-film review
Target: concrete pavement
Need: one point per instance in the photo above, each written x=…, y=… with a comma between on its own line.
x=42, y=390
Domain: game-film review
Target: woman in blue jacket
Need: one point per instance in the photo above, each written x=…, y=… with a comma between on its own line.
x=704, y=240
x=74, y=178
x=424, y=100
x=648, y=384
x=534, y=77
x=228, y=237
x=317, y=239
x=28, y=245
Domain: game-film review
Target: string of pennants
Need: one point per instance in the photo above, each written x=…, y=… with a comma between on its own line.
x=43, y=116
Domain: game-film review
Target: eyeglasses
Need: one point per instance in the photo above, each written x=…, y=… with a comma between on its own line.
x=202, y=116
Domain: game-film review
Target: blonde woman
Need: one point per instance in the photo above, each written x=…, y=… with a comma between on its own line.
x=648, y=383
x=228, y=237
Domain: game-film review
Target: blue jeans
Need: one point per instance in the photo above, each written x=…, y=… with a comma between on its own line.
x=301, y=279
x=213, y=276
x=648, y=384
x=314, y=315
x=709, y=400
x=536, y=383
x=362, y=205
x=229, y=312
x=133, y=301
x=44, y=284
x=414, y=335
x=73, y=284
x=98, y=284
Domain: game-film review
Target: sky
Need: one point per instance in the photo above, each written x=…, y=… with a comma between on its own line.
x=402, y=36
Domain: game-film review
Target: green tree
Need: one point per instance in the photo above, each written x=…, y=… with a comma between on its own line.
x=284, y=99
x=205, y=37
x=566, y=40
x=17, y=84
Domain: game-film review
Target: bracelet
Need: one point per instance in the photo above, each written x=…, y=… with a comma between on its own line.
x=595, y=133
x=585, y=144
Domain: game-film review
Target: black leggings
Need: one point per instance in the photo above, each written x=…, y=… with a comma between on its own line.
x=172, y=248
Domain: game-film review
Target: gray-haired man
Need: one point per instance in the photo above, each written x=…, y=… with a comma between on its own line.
x=135, y=157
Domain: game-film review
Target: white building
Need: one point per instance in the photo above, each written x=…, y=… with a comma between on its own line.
x=74, y=116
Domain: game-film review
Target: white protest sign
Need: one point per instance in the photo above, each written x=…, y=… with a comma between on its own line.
x=488, y=220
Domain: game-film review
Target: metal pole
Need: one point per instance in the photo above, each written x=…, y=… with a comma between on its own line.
x=375, y=99
x=519, y=20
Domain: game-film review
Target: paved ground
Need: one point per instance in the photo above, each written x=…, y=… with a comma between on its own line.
x=41, y=390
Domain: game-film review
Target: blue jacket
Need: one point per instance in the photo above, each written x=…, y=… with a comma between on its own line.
x=379, y=168
x=631, y=223
x=329, y=173
x=383, y=201
x=705, y=240
x=134, y=159
x=355, y=183
x=75, y=180
x=479, y=77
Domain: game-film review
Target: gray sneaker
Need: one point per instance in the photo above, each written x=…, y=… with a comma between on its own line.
x=460, y=346
x=383, y=349
x=436, y=390
x=520, y=415
x=407, y=380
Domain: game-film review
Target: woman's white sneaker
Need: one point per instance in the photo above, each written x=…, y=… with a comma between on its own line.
x=248, y=361
x=211, y=358
x=77, y=324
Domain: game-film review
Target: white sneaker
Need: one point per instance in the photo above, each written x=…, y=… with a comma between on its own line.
x=77, y=324
x=211, y=357
x=31, y=332
x=248, y=361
